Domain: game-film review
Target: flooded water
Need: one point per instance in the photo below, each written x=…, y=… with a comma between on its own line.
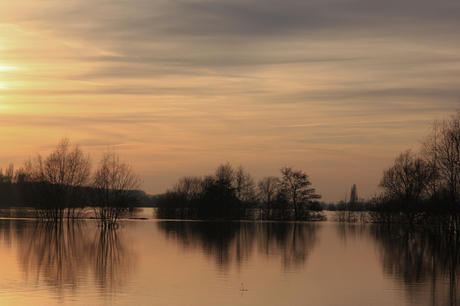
x=154, y=262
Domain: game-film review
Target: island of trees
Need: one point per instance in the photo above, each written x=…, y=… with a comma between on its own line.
x=231, y=194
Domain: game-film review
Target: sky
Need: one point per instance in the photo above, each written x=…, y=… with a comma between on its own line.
x=336, y=88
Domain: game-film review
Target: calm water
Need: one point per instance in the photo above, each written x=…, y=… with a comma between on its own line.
x=152, y=262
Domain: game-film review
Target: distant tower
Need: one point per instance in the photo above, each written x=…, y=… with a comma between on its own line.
x=354, y=195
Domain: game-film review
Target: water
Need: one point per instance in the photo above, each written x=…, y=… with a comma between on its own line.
x=154, y=262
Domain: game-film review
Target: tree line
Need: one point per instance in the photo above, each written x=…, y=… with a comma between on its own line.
x=423, y=189
x=232, y=194
x=61, y=185
x=420, y=187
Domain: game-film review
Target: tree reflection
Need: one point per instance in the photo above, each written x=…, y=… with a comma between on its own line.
x=235, y=242
x=427, y=267
x=111, y=259
x=293, y=241
x=55, y=253
x=10, y=228
x=346, y=231
x=64, y=256
x=216, y=239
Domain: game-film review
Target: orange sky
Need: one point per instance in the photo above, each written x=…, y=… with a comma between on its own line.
x=335, y=88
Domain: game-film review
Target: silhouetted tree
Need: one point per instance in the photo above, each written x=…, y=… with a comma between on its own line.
x=224, y=176
x=9, y=174
x=406, y=183
x=231, y=195
x=268, y=188
x=181, y=201
x=296, y=186
x=219, y=195
x=115, y=188
x=442, y=150
x=55, y=183
x=245, y=192
x=226, y=195
x=191, y=187
x=281, y=207
x=7, y=188
x=428, y=186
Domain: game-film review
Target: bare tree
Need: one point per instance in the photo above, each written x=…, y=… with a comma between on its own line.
x=268, y=188
x=407, y=183
x=296, y=186
x=8, y=177
x=430, y=151
x=219, y=199
x=224, y=176
x=442, y=150
x=185, y=196
x=55, y=183
x=245, y=191
x=190, y=187
x=116, y=188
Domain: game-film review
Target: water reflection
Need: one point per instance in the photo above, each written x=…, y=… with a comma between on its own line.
x=10, y=229
x=426, y=267
x=111, y=259
x=236, y=242
x=55, y=253
x=293, y=242
x=64, y=256
x=351, y=231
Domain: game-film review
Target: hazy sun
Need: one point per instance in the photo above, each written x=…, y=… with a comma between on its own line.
x=5, y=68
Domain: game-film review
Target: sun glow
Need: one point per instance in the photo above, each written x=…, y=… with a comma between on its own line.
x=4, y=77
x=6, y=68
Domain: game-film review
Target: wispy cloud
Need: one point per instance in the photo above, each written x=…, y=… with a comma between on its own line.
x=181, y=86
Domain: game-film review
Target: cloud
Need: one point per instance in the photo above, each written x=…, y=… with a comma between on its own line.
x=133, y=29
x=236, y=18
x=258, y=82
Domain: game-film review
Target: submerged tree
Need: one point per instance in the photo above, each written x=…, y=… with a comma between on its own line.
x=56, y=183
x=226, y=195
x=296, y=186
x=231, y=195
x=115, y=188
x=7, y=192
x=181, y=201
x=245, y=190
x=426, y=188
x=406, y=183
x=268, y=188
x=442, y=150
x=219, y=200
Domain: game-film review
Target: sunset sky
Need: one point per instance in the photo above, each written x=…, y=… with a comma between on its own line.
x=337, y=88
